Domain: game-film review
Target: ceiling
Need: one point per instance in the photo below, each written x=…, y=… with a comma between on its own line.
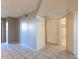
x=57, y=7
x=15, y=8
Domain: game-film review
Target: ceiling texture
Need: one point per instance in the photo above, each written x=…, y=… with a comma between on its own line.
x=16, y=8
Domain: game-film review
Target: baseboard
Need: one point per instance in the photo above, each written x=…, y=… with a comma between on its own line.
x=13, y=42
x=70, y=52
x=29, y=47
x=52, y=43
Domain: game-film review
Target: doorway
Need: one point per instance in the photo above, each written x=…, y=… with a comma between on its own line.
x=3, y=30
x=62, y=32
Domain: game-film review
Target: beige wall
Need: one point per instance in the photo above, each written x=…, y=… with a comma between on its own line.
x=72, y=5
x=69, y=41
x=52, y=26
x=71, y=33
x=13, y=30
x=70, y=19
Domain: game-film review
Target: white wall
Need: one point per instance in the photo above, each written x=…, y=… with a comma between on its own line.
x=32, y=31
x=75, y=39
x=6, y=31
x=40, y=32
x=52, y=26
x=28, y=31
x=72, y=33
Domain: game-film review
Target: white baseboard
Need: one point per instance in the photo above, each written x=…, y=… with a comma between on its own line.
x=29, y=47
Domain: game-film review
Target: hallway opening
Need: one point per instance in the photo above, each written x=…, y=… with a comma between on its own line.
x=56, y=31
x=62, y=32
x=3, y=30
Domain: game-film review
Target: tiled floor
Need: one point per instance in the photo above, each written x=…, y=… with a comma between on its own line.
x=17, y=51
